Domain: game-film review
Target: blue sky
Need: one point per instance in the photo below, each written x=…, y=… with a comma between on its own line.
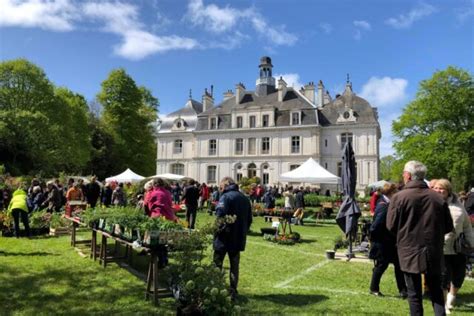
x=171, y=46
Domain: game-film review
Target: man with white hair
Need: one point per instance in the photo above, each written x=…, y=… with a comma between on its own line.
x=419, y=217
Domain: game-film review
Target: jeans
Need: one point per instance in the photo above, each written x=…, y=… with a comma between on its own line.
x=413, y=281
x=17, y=213
x=234, y=259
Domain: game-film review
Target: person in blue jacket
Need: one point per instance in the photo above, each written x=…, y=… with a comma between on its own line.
x=234, y=215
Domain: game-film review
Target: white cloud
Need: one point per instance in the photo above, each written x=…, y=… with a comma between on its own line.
x=211, y=17
x=326, y=27
x=464, y=14
x=122, y=19
x=225, y=19
x=360, y=25
x=404, y=21
x=229, y=42
x=56, y=15
x=384, y=91
x=363, y=25
x=292, y=80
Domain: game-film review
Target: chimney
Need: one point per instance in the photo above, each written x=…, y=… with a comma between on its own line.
x=207, y=100
x=239, y=92
x=309, y=91
x=281, y=89
x=320, y=93
x=228, y=94
x=327, y=98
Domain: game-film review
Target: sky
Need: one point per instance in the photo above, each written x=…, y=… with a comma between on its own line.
x=173, y=47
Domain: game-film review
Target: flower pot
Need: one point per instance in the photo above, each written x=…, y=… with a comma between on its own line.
x=330, y=254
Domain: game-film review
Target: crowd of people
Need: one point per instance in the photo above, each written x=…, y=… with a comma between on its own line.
x=416, y=229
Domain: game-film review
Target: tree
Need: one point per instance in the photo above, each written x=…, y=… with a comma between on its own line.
x=43, y=129
x=437, y=128
x=27, y=106
x=102, y=159
x=73, y=134
x=386, y=164
x=128, y=115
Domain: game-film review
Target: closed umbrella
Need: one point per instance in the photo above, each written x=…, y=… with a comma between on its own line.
x=349, y=211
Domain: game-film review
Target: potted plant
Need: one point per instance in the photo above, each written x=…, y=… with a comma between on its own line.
x=57, y=225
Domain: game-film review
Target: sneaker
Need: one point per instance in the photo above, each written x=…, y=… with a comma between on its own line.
x=450, y=298
x=376, y=294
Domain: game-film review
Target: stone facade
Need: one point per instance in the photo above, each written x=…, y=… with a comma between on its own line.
x=269, y=131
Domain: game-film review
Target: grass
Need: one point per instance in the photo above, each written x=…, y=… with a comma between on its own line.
x=45, y=276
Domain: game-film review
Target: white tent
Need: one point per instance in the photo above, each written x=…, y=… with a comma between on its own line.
x=126, y=176
x=170, y=176
x=310, y=172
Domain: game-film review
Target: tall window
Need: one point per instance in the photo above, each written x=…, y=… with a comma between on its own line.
x=251, y=170
x=339, y=169
x=326, y=165
x=295, y=118
x=252, y=121
x=240, y=122
x=213, y=123
x=239, y=146
x=177, y=168
x=252, y=146
x=212, y=147
x=265, y=145
x=178, y=146
x=265, y=174
x=238, y=173
x=345, y=137
x=265, y=120
x=295, y=144
x=325, y=143
x=211, y=174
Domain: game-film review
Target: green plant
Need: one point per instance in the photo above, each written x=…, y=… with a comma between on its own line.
x=57, y=220
x=40, y=219
x=198, y=288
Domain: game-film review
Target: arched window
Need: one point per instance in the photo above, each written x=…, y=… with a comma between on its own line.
x=265, y=174
x=177, y=168
x=238, y=172
x=251, y=170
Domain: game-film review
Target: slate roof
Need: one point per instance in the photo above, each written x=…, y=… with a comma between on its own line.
x=188, y=113
x=363, y=111
x=292, y=101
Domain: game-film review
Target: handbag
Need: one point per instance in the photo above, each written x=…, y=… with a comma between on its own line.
x=461, y=245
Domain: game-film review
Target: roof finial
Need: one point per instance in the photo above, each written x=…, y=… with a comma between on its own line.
x=347, y=78
x=190, y=93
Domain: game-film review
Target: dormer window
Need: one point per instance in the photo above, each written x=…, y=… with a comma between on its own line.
x=179, y=124
x=213, y=123
x=295, y=118
x=265, y=120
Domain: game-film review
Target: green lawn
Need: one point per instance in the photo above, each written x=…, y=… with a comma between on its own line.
x=45, y=276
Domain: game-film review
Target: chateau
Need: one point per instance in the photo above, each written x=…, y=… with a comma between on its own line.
x=268, y=131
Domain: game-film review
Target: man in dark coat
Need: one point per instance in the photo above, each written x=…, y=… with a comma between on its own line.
x=420, y=218
x=191, y=197
x=231, y=236
x=299, y=198
x=93, y=192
